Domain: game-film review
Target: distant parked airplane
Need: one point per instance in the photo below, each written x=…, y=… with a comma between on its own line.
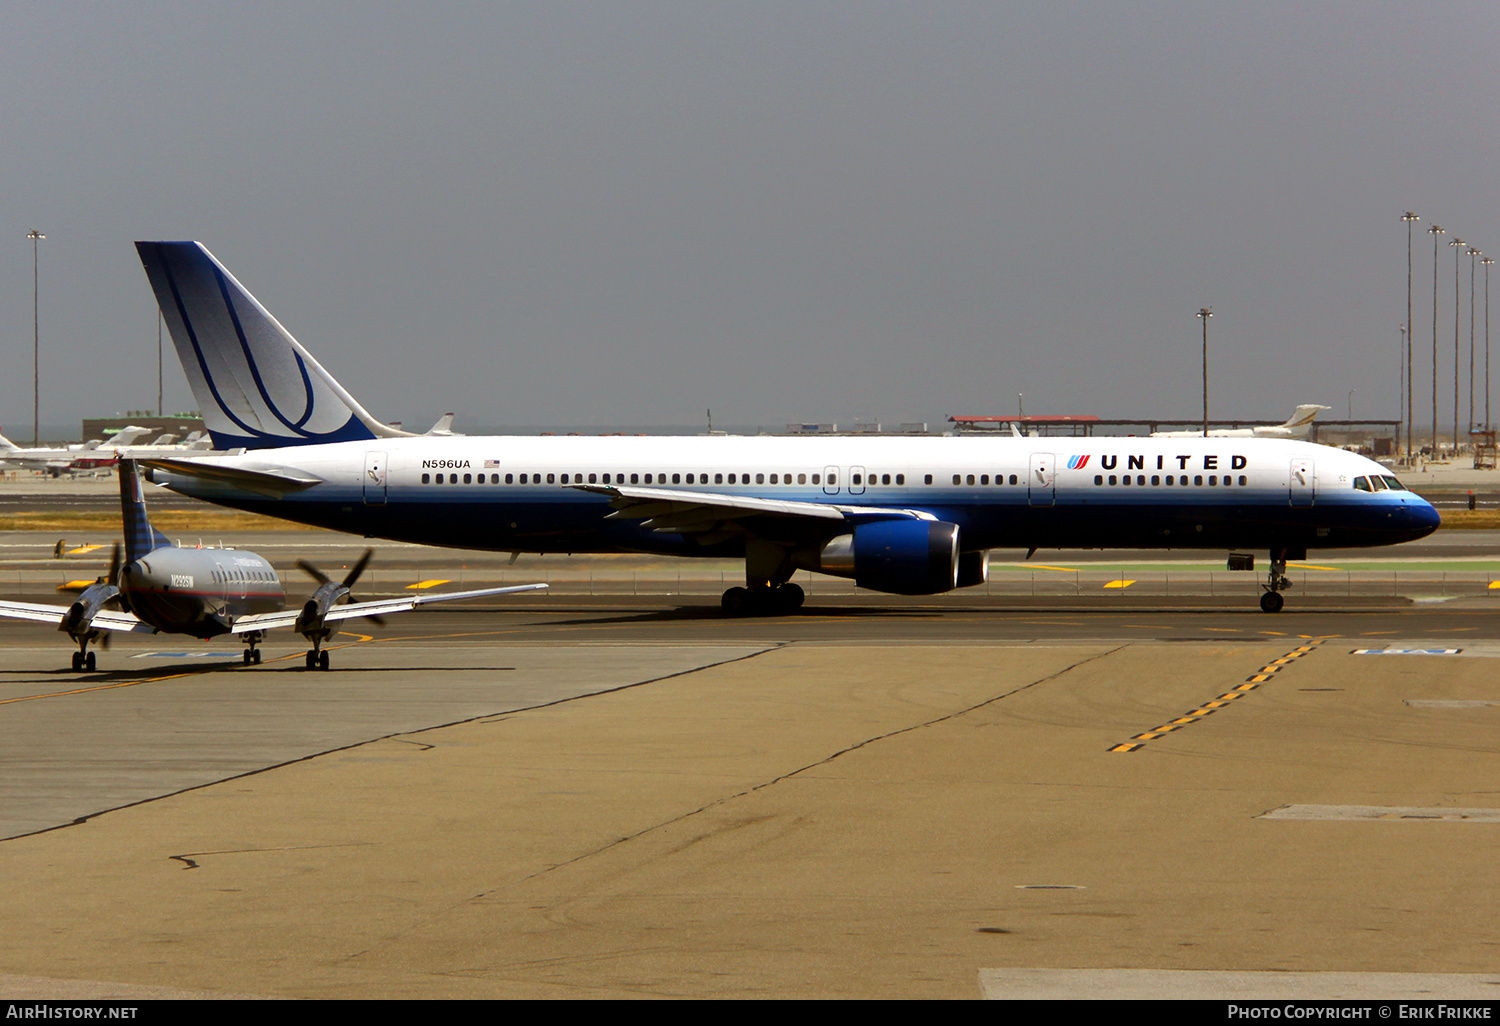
x=1296, y=426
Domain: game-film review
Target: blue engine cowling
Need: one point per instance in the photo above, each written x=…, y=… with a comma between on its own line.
x=900, y=557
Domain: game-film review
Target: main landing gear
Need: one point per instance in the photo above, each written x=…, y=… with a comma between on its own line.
x=768, y=574
x=317, y=658
x=766, y=600
x=1276, y=582
x=252, y=653
x=83, y=661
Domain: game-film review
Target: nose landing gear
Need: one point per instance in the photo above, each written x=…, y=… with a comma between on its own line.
x=1276, y=582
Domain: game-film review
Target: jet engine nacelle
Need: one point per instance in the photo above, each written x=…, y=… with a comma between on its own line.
x=900, y=557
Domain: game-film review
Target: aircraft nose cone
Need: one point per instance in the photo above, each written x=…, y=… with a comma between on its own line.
x=1424, y=516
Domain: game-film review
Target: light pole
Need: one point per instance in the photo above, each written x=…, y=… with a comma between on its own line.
x=1488, y=424
x=1403, y=358
x=1408, y=217
x=36, y=375
x=1457, y=245
x=1434, y=231
x=1473, y=255
x=1203, y=315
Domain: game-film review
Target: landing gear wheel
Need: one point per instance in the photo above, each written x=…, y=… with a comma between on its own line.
x=255, y=656
x=1271, y=602
x=248, y=658
x=735, y=601
x=789, y=597
x=311, y=660
x=77, y=662
x=322, y=660
x=89, y=662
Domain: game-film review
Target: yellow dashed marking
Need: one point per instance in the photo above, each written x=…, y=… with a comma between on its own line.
x=1207, y=708
x=426, y=584
x=1119, y=584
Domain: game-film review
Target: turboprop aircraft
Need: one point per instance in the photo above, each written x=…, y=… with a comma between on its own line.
x=206, y=593
x=904, y=515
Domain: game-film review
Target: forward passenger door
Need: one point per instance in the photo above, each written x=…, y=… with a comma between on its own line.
x=1042, y=479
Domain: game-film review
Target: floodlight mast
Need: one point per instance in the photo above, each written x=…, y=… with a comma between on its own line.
x=36, y=373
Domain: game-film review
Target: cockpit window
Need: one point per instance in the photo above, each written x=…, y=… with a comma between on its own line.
x=1377, y=482
x=1393, y=484
x=1362, y=484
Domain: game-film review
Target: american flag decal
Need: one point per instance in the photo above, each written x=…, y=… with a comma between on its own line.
x=491, y=464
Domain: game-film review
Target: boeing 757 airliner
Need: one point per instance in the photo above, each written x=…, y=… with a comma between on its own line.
x=908, y=515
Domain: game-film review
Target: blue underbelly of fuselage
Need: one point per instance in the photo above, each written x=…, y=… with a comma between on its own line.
x=552, y=519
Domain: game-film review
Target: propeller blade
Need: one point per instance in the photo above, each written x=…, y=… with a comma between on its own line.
x=312, y=571
x=358, y=568
x=374, y=618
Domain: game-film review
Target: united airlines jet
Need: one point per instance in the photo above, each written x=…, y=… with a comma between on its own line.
x=907, y=516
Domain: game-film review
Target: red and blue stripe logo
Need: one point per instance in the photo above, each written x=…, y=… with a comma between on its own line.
x=1077, y=462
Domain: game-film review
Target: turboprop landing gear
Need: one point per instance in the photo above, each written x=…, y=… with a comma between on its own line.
x=1276, y=582
x=252, y=653
x=317, y=659
x=763, y=601
x=83, y=660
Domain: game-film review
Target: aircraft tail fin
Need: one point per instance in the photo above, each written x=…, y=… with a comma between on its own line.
x=1303, y=418
x=256, y=385
x=6, y=445
x=141, y=539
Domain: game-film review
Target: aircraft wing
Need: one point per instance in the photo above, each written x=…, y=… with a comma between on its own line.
x=104, y=620
x=379, y=607
x=667, y=510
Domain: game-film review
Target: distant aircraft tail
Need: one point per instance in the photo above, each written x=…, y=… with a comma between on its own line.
x=6, y=445
x=257, y=387
x=141, y=539
x=1303, y=418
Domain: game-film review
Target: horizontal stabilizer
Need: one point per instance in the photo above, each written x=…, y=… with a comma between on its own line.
x=263, y=480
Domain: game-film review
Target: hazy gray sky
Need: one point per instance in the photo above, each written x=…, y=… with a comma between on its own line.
x=610, y=212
